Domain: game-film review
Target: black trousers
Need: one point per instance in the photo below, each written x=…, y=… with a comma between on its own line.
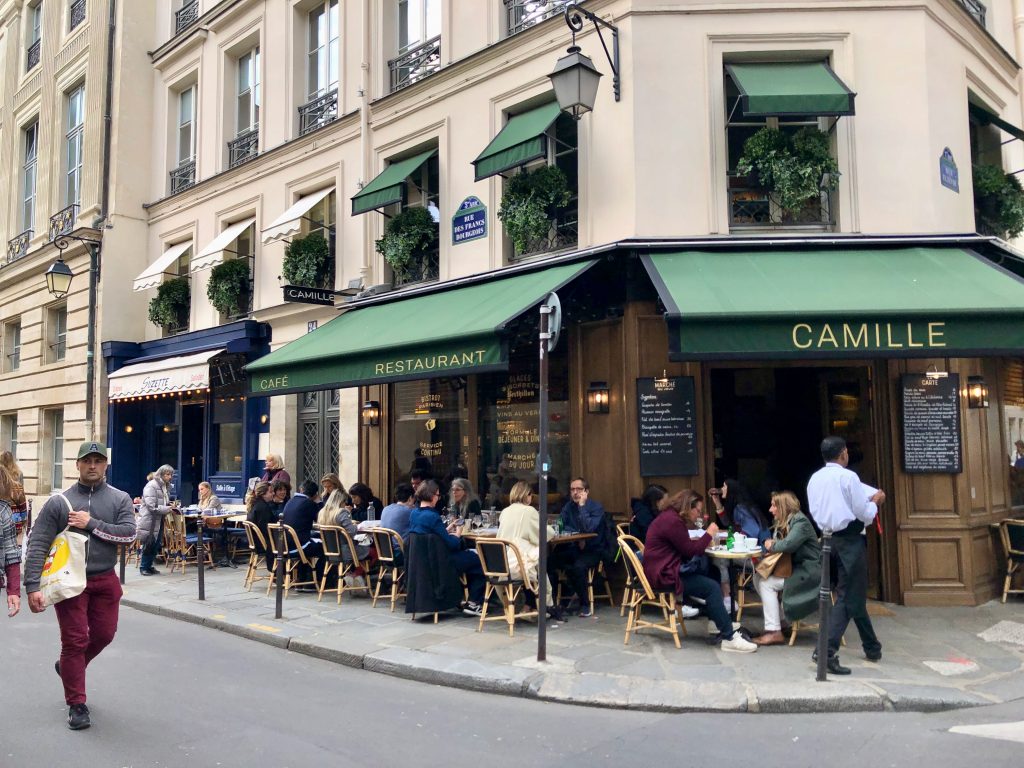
x=575, y=563
x=842, y=613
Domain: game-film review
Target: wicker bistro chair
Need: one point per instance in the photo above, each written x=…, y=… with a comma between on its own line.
x=257, y=552
x=387, y=556
x=643, y=594
x=638, y=548
x=294, y=556
x=1011, y=532
x=494, y=559
x=180, y=547
x=334, y=538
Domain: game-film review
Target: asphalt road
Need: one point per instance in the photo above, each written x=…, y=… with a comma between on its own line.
x=167, y=693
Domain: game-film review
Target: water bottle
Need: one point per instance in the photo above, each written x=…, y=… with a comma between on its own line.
x=730, y=540
x=371, y=513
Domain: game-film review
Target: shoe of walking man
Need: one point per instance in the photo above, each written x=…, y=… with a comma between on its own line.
x=87, y=621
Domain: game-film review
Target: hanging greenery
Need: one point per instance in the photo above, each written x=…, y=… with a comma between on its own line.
x=530, y=203
x=305, y=261
x=229, y=281
x=408, y=239
x=173, y=298
x=795, y=168
x=998, y=202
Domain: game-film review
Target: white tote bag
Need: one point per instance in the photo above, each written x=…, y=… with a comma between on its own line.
x=64, y=570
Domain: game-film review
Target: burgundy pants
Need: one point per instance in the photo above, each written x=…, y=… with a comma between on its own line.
x=87, y=625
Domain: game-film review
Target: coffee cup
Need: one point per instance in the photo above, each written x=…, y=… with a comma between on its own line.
x=739, y=541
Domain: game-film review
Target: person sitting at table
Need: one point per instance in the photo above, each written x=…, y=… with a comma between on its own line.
x=735, y=508
x=396, y=516
x=425, y=520
x=282, y=494
x=792, y=533
x=335, y=512
x=668, y=556
x=260, y=512
x=462, y=501
x=329, y=483
x=300, y=513
x=520, y=524
x=581, y=514
x=645, y=509
x=362, y=498
x=209, y=504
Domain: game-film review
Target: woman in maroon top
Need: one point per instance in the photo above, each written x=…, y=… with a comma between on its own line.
x=668, y=555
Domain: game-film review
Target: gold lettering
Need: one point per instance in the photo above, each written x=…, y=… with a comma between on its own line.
x=910, y=336
x=888, y=332
x=378, y=369
x=418, y=366
x=467, y=359
x=878, y=341
x=801, y=327
x=826, y=331
x=935, y=332
x=480, y=355
x=390, y=367
x=442, y=361
x=855, y=341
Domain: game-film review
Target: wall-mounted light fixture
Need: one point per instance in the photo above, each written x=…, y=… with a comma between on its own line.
x=371, y=413
x=264, y=418
x=575, y=78
x=128, y=428
x=977, y=392
x=597, y=397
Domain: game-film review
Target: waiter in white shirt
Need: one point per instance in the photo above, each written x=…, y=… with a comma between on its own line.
x=838, y=500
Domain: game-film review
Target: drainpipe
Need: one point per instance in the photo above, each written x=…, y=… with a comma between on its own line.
x=366, y=272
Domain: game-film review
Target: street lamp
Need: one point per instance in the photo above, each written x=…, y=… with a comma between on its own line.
x=575, y=78
x=58, y=278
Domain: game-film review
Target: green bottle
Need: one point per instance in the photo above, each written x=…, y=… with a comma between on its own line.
x=730, y=540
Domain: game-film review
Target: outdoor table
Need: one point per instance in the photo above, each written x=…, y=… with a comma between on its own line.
x=553, y=541
x=732, y=557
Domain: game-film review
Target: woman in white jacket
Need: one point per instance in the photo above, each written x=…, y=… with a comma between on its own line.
x=520, y=524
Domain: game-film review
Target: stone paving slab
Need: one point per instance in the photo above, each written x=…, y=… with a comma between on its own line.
x=934, y=659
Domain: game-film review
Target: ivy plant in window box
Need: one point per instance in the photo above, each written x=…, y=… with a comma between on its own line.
x=794, y=169
x=229, y=281
x=998, y=202
x=530, y=204
x=305, y=261
x=173, y=300
x=409, y=241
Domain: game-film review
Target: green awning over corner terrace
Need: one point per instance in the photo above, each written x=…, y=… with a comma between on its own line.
x=844, y=303
x=520, y=141
x=447, y=333
x=388, y=186
x=807, y=88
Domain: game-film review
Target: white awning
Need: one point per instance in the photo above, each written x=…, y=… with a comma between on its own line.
x=290, y=222
x=154, y=273
x=169, y=375
x=213, y=254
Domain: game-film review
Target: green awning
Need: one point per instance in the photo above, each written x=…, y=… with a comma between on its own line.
x=808, y=88
x=985, y=117
x=520, y=141
x=450, y=332
x=844, y=303
x=389, y=185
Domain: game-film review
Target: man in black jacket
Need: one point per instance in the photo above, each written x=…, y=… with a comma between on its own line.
x=300, y=513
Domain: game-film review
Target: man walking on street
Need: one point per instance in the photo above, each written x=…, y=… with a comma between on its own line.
x=87, y=621
x=839, y=501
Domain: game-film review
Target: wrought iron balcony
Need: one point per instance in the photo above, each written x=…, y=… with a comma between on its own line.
x=17, y=247
x=183, y=177
x=245, y=146
x=754, y=208
x=32, y=55
x=976, y=9
x=563, y=233
x=318, y=112
x=426, y=270
x=77, y=13
x=415, y=64
x=522, y=14
x=186, y=16
x=63, y=221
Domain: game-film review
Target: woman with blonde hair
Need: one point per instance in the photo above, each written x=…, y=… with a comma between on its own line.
x=273, y=469
x=336, y=512
x=520, y=524
x=330, y=482
x=792, y=532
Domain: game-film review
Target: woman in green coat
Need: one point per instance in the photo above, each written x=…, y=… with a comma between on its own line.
x=792, y=533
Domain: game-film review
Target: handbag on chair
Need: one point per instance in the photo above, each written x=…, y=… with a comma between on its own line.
x=775, y=564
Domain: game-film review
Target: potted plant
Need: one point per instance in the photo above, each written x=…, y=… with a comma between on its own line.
x=173, y=298
x=306, y=261
x=409, y=238
x=998, y=202
x=530, y=203
x=795, y=168
x=229, y=281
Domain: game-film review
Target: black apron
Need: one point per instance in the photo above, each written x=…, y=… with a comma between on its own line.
x=848, y=545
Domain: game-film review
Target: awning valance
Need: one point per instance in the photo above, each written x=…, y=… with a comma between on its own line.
x=844, y=303
x=520, y=141
x=213, y=254
x=389, y=185
x=153, y=275
x=289, y=223
x=448, y=333
x=169, y=375
x=985, y=117
x=808, y=88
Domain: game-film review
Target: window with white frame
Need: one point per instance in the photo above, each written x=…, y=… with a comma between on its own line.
x=34, y=30
x=323, y=51
x=53, y=436
x=418, y=22
x=73, y=145
x=247, y=99
x=28, y=176
x=56, y=333
x=12, y=345
x=9, y=433
x=186, y=125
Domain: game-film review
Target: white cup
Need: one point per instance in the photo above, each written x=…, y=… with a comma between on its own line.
x=739, y=541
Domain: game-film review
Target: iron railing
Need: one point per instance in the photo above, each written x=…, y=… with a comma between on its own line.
x=77, y=12
x=63, y=222
x=426, y=270
x=243, y=147
x=564, y=233
x=976, y=9
x=318, y=112
x=17, y=246
x=186, y=16
x=415, y=64
x=522, y=14
x=32, y=54
x=754, y=208
x=183, y=177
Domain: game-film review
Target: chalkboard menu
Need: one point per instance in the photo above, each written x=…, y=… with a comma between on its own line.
x=668, y=426
x=931, y=424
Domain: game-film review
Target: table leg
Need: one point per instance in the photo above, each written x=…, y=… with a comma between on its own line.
x=734, y=598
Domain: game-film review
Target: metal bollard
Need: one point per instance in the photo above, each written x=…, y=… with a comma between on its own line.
x=824, y=603
x=279, y=574
x=200, y=557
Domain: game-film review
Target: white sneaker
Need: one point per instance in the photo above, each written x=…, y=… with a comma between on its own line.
x=738, y=645
x=689, y=611
x=713, y=628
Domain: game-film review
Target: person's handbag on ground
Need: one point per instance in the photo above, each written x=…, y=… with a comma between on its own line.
x=64, y=571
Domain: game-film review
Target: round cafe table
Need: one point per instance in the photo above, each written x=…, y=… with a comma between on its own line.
x=733, y=558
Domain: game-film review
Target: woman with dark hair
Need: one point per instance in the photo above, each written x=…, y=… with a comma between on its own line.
x=362, y=498
x=735, y=507
x=259, y=510
x=645, y=509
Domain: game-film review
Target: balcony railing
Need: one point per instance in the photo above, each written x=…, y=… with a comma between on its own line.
x=318, y=112
x=976, y=9
x=753, y=208
x=77, y=13
x=183, y=177
x=186, y=16
x=243, y=147
x=415, y=64
x=32, y=54
x=17, y=247
x=63, y=222
x=522, y=14
x=426, y=271
x=564, y=233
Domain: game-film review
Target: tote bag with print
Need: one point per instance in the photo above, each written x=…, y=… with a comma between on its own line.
x=64, y=570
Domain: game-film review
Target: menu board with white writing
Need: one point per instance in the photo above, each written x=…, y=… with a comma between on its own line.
x=931, y=424
x=668, y=426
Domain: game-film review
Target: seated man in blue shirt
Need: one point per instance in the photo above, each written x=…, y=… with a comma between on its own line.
x=580, y=515
x=300, y=513
x=396, y=516
x=425, y=520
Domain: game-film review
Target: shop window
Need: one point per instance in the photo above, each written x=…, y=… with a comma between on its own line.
x=523, y=14
x=12, y=345
x=56, y=333
x=422, y=190
x=319, y=433
x=419, y=42
x=228, y=415
x=323, y=63
x=1013, y=413
x=53, y=448
x=430, y=427
x=9, y=433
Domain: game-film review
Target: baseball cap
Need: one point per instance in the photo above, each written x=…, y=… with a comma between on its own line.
x=87, y=448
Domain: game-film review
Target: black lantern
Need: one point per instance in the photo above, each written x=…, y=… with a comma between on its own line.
x=977, y=392
x=597, y=397
x=58, y=279
x=575, y=80
x=371, y=413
